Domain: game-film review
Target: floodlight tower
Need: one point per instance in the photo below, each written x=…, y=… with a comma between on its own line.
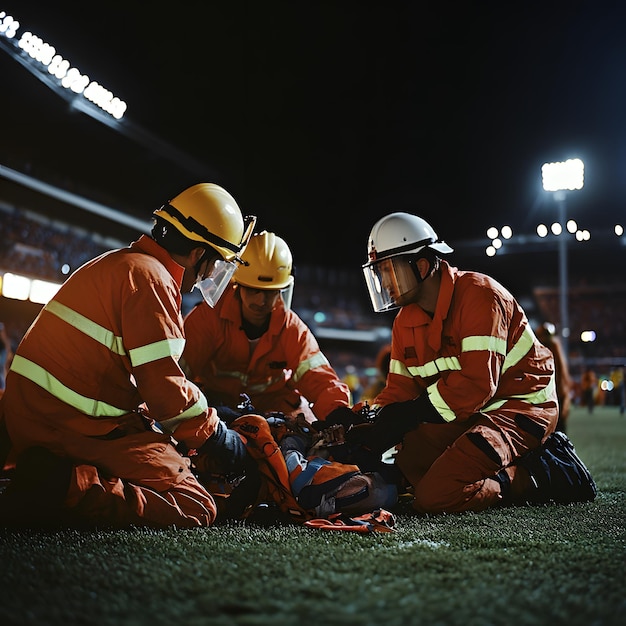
x=560, y=178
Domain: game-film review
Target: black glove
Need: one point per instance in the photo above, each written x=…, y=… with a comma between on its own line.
x=392, y=422
x=342, y=415
x=227, y=450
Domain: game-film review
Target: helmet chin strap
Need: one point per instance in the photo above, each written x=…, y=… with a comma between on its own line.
x=433, y=267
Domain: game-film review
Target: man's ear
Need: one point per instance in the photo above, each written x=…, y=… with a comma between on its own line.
x=423, y=267
x=195, y=256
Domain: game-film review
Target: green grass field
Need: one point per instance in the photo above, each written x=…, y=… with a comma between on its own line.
x=554, y=565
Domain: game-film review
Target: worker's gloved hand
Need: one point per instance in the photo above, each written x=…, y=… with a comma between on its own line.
x=342, y=415
x=391, y=423
x=226, y=450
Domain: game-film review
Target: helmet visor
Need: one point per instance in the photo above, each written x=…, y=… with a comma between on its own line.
x=387, y=281
x=214, y=283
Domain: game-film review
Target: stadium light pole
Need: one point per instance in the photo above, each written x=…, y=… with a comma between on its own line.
x=560, y=178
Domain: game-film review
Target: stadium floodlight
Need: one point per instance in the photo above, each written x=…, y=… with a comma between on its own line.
x=567, y=175
x=561, y=177
x=42, y=59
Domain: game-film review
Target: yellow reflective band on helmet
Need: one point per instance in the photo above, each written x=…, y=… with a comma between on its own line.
x=198, y=408
x=85, y=325
x=534, y=397
x=439, y=403
x=520, y=349
x=492, y=344
x=398, y=367
x=157, y=350
x=45, y=380
x=442, y=364
x=317, y=360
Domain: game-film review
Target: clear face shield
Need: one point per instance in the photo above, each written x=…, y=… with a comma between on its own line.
x=215, y=280
x=287, y=295
x=388, y=281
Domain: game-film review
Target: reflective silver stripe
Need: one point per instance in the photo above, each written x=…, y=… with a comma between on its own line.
x=157, y=350
x=86, y=326
x=38, y=375
x=493, y=344
x=439, y=403
x=520, y=349
x=317, y=360
x=534, y=397
x=193, y=411
x=442, y=364
x=398, y=367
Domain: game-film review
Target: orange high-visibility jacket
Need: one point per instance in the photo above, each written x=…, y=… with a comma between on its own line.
x=106, y=346
x=477, y=354
x=285, y=364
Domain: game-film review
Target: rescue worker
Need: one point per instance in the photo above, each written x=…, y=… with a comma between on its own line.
x=253, y=343
x=95, y=394
x=564, y=385
x=470, y=394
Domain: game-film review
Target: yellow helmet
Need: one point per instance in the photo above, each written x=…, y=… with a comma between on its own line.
x=207, y=213
x=267, y=263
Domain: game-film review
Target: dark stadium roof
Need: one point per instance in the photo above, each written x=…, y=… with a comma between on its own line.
x=320, y=117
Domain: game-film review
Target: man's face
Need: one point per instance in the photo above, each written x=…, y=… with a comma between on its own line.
x=257, y=304
x=398, y=278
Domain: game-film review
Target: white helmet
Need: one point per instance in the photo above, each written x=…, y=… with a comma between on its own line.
x=393, y=241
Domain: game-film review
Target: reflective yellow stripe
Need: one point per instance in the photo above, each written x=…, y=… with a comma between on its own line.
x=534, y=397
x=243, y=379
x=442, y=364
x=86, y=326
x=398, y=367
x=520, y=349
x=193, y=411
x=157, y=350
x=493, y=344
x=38, y=375
x=439, y=403
x=317, y=360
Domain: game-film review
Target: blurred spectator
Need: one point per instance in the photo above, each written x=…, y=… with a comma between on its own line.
x=588, y=386
x=617, y=378
x=351, y=378
x=382, y=366
x=546, y=334
x=6, y=353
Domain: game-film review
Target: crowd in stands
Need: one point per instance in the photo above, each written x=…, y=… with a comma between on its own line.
x=324, y=297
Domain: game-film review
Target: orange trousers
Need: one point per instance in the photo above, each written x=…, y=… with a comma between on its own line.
x=452, y=467
x=139, y=479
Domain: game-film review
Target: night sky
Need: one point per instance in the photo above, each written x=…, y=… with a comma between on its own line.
x=321, y=117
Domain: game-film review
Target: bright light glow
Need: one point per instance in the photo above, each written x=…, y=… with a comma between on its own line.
x=492, y=232
x=588, y=336
x=490, y=251
x=70, y=77
x=507, y=232
x=42, y=291
x=586, y=235
x=556, y=228
x=65, y=268
x=497, y=243
x=8, y=25
x=542, y=230
x=563, y=175
x=572, y=226
x=606, y=385
x=15, y=287
x=619, y=230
